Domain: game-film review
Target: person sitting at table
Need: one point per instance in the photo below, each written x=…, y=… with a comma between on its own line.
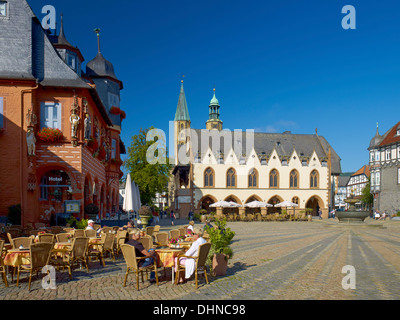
x=91, y=226
x=130, y=224
x=190, y=228
x=193, y=251
x=142, y=252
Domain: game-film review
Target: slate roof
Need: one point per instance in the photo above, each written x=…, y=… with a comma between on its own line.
x=26, y=51
x=265, y=143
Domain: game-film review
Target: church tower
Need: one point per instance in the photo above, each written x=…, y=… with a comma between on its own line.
x=181, y=122
x=214, y=121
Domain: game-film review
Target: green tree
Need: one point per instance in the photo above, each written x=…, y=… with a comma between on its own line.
x=366, y=195
x=149, y=168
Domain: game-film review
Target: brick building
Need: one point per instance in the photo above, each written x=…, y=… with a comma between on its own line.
x=42, y=87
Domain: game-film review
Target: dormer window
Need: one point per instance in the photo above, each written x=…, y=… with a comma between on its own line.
x=3, y=9
x=71, y=61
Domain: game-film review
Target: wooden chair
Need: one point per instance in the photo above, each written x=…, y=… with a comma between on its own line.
x=12, y=233
x=46, y=237
x=77, y=253
x=90, y=233
x=147, y=242
x=2, y=267
x=63, y=237
x=26, y=242
x=131, y=260
x=174, y=234
x=34, y=232
x=39, y=257
x=200, y=263
x=162, y=238
x=79, y=233
x=68, y=230
x=96, y=226
x=107, y=229
x=149, y=231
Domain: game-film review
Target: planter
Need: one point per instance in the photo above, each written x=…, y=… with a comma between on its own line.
x=219, y=264
x=203, y=218
x=144, y=220
x=309, y=217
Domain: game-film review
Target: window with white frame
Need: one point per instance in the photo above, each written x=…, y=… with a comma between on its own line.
x=71, y=61
x=378, y=178
x=388, y=154
x=3, y=8
x=377, y=155
x=372, y=156
x=50, y=115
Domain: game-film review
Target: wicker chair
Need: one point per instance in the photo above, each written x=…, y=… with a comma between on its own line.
x=182, y=231
x=149, y=231
x=89, y=233
x=156, y=230
x=108, y=245
x=107, y=229
x=39, y=225
x=34, y=232
x=147, y=242
x=26, y=242
x=162, y=238
x=56, y=229
x=12, y=233
x=121, y=238
x=46, y=237
x=174, y=234
x=63, y=237
x=132, y=264
x=77, y=253
x=68, y=230
x=2, y=267
x=40, y=256
x=97, y=250
x=200, y=263
x=79, y=233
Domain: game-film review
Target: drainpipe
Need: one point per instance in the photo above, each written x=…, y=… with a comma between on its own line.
x=23, y=149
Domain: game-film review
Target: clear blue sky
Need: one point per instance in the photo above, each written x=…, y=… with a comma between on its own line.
x=277, y=65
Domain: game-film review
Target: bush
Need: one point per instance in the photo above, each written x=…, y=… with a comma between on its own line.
x=220, y=238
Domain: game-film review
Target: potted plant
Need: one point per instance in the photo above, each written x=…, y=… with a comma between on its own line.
x=220, y=237
x=145, y=214
x=203, y=213
x=50, y=134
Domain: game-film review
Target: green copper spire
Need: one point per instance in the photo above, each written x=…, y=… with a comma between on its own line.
x=182, y=112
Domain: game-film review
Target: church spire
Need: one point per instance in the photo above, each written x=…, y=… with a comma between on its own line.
x=182, y=112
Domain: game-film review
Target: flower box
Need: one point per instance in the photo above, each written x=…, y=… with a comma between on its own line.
x=50, y=134
x=115, y=110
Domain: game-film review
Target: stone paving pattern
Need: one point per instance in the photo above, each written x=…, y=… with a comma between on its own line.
x=272, y=261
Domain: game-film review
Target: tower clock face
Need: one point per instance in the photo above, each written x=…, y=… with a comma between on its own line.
x=3, y=8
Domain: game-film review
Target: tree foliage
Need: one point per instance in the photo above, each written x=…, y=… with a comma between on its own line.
x=151, y=178
x=366, y=195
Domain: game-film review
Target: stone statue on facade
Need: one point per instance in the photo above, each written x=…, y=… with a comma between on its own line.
x=88, y=126
x=74, y=119
x=31, y=141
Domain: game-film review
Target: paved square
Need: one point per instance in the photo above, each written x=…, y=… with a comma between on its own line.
x=272, y=261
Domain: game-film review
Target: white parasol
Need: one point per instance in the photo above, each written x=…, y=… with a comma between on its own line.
x=129, y=195
x=257, y=204
x=286, y=204
x=221, y=204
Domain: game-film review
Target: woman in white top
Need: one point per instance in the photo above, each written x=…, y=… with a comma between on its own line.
x=190, y=228
x=193, y=251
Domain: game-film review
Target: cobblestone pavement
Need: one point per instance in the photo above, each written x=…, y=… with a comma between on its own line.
x=272, y=261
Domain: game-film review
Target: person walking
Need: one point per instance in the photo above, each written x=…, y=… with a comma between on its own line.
x=173, y=217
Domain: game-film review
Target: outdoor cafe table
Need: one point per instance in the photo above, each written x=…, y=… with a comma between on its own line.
x=16, y=257
x=166, y=258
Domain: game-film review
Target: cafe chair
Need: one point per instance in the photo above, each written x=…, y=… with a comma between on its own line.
x=132, y=261
x=90, y=233
x=108, y=245
x=11, y=234
x=182, y=232
x=26, y=242
x=56, y=229
x=68, y=230
x=156, y=230
x=77, y=253
x=2, y=267
x=79, y=233
x=39, y=257
x=200, y=263
x=63, y=237
x=162, y=239
x=46, y=237
x=121, y=238
x=39, y=225
x=107, y=229
x=147, y=242
x=96, y=250
x=149, y=231
x=175, y=234
x=34, y=232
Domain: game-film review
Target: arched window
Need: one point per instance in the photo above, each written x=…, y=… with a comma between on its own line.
x=209, y=178
x=231, y=178
x=294, y=179
x=253, y=178
x=274, y=179
x=314, y=179
x=295, y=200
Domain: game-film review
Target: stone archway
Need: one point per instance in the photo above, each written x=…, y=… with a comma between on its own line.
x=315, y=203
x=274, y=200
x=205, y=203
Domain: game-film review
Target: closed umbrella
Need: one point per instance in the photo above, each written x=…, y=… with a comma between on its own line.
x=129, y=194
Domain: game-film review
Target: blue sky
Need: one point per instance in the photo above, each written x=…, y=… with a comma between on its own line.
x=276, y=65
